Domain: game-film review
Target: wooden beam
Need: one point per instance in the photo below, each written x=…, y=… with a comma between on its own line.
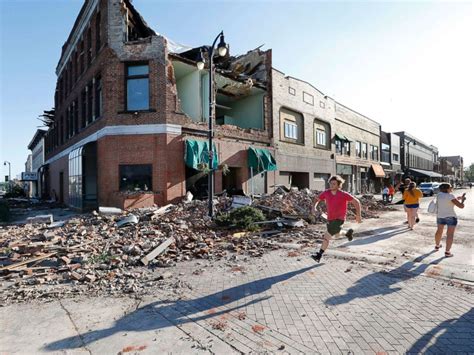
x=158, y=250
x=24, y=262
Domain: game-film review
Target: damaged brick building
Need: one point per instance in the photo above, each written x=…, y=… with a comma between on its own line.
x=131, y=111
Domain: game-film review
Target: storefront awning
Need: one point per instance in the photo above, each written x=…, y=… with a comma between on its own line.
x=378, y=170
x=196, y=154
x=425, y=173
x=341, y=137
x=261, y=159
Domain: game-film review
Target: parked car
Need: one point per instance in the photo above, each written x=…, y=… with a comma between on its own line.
x=429, y=188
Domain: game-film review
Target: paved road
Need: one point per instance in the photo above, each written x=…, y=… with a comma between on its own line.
x=386, y=292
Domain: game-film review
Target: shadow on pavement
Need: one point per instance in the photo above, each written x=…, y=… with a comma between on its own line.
x=375, y=235
x=452, y=336
x=379, y=283
x=177, y=313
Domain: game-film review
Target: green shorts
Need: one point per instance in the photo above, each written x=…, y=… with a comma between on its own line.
x=335, y=226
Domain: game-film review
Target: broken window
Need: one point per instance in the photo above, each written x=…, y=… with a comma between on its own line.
x=291, y=126
x=135, y=177
x=98, y=97
x=135, y=27
x=137, y=82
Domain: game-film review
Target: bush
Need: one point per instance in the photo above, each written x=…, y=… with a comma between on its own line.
x=16, y=191
x=242, y=218
x=4, y=212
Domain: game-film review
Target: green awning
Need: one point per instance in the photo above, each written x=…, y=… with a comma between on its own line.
x=196, y=153
x=341, y=137
x=261, y=159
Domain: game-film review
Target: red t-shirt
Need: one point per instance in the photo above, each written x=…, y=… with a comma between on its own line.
x=336, y=204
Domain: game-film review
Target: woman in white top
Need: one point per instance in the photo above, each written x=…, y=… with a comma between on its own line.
x=446, y=216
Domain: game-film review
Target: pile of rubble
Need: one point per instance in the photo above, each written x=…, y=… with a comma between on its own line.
x=117, y=252
x=112, y=253
x=298, y=203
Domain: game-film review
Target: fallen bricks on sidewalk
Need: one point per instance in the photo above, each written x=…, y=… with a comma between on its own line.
x=111, y=253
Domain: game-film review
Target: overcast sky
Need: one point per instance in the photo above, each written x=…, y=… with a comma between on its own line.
x=407, y=65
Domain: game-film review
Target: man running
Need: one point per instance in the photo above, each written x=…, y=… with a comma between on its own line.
x=336, y=203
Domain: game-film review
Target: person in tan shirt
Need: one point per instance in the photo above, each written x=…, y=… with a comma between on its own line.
x=412, y=197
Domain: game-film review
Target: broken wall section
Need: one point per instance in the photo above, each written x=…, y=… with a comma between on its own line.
x=130, y=37
x=242, y=87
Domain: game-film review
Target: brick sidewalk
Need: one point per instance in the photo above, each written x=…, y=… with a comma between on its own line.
x=304, y=307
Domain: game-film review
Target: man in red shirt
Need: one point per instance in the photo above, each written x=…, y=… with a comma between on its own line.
x=336, y=203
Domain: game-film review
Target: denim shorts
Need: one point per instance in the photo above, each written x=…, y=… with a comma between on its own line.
x=449, y=221
x=415, y=205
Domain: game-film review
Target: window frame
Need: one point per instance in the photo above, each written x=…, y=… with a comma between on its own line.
x=320, y=126
x=136, y=77
x=98, y=97
x=346, y=148
x=358, y=149
x=123, y=188
x=365, y=151
x=290, y=124
x=339, y=146
x=288, y=116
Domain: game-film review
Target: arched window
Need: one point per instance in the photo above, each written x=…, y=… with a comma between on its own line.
x=322, y=134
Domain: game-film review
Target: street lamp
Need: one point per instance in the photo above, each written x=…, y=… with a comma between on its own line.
x=9, y=174
x=222, y=51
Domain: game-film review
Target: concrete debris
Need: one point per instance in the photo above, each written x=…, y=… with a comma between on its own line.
x=130, y=219
x=110, y=210
x=57, y=224
x=188, y=198
x=46, y=218
x=107, y=254
x=239, y=201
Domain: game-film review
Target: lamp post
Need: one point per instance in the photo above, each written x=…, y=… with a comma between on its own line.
x=9, y=174
x=222, y=51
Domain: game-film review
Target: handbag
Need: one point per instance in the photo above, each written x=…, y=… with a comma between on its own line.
x=433, y=206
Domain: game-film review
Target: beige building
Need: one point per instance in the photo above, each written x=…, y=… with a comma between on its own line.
x=357, y=149
x=303, y=127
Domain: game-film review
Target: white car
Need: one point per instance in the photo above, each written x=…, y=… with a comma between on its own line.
x=429, y=188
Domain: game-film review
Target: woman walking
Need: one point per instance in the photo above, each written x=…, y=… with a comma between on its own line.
x=412, y=197
x=446, y=216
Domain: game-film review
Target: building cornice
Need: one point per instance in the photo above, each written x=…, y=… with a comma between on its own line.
x=124, y=130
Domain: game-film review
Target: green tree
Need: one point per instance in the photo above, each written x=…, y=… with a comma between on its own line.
x=469, y=173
